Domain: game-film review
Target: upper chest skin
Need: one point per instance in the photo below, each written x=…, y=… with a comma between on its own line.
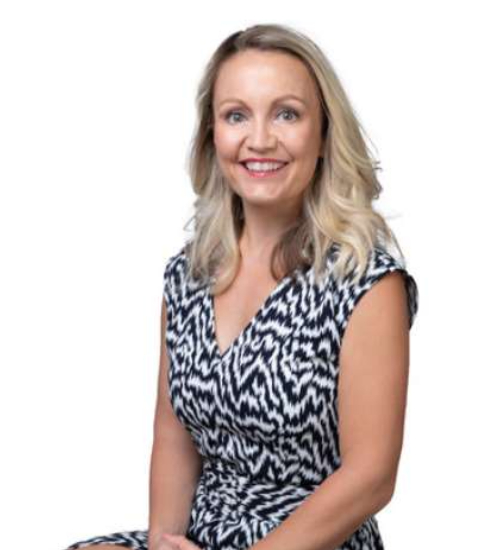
x=239, y=303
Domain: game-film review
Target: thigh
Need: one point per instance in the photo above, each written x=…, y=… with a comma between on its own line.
x=136, y=540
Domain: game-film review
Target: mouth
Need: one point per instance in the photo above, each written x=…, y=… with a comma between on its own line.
x=263, y=173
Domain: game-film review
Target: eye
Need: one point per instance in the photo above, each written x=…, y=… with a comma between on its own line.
x=290, y=111
x=228, y=115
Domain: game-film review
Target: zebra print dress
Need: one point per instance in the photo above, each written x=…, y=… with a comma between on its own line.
x=263, y=413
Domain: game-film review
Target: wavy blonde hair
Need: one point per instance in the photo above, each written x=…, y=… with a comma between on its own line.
x=337, y=204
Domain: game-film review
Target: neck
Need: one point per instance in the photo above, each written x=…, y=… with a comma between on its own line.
x=263, y=229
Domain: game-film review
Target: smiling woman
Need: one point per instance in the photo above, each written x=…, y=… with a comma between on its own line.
x=279, y=421
x=273, y=113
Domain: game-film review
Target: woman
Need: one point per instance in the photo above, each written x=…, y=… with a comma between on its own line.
x=279, y=423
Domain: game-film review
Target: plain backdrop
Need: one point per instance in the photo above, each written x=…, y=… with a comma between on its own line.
x=96, y=116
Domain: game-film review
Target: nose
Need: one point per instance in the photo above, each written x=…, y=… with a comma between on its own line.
x=261, y=136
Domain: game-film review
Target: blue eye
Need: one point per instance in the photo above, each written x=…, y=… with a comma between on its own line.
x=228, y=115
x=292, y=112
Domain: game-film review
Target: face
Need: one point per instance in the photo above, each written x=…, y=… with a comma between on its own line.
x=265, y=106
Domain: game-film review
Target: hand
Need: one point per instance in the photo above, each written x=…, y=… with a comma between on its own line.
x=180, y=542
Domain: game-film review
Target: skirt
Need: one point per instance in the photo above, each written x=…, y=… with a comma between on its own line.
x=137, y=540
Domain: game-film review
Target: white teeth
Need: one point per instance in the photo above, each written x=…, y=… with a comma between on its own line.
x=263, y=166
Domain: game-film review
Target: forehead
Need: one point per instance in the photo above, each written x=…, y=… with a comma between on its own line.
x=254, y=75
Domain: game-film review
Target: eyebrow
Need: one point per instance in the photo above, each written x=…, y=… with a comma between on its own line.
x=276, y=100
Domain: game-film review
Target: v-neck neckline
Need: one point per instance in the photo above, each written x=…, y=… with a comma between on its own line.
x=212, y=319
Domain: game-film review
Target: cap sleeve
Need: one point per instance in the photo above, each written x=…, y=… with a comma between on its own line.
x=167, y=283
x=381, y=262
x=173, y=281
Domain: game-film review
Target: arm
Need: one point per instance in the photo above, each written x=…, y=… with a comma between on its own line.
x=374, y=362
x=175, y=463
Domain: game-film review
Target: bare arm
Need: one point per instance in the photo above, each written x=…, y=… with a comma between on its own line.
x=374, y=363
x=175, y=462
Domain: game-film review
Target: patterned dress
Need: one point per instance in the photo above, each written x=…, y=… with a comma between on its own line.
x=263, y=414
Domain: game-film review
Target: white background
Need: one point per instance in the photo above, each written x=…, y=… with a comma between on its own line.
x=96, y=115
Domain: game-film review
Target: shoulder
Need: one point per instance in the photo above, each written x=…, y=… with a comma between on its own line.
x=174, y=275
x=349, y=290
x=380, y=261
x=176, y=263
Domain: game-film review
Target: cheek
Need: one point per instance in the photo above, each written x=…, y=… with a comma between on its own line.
x=226, y=142
x=303, y=141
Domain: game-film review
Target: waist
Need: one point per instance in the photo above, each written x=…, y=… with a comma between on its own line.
x=230, y=491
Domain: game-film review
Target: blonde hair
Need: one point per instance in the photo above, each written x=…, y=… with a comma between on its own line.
x=337, y=205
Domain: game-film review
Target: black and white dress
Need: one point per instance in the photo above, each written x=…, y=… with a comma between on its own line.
x=263, y=414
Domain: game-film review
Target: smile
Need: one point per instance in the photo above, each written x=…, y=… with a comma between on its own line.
x=263, y=173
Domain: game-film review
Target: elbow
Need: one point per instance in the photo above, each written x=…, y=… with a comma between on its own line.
x=377, y=484
x=375, y=479
x=391, y=486
x=384, y=488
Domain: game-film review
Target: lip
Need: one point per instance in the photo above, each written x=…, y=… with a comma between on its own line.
x=264, y=175
x=253, y=159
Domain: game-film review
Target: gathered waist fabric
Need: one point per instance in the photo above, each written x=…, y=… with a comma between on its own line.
x=230, y=492
x=232, y=511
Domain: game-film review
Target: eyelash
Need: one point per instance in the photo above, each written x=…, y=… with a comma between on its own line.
x=286, y=110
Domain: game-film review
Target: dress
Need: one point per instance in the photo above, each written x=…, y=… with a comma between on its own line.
x=263, y=414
